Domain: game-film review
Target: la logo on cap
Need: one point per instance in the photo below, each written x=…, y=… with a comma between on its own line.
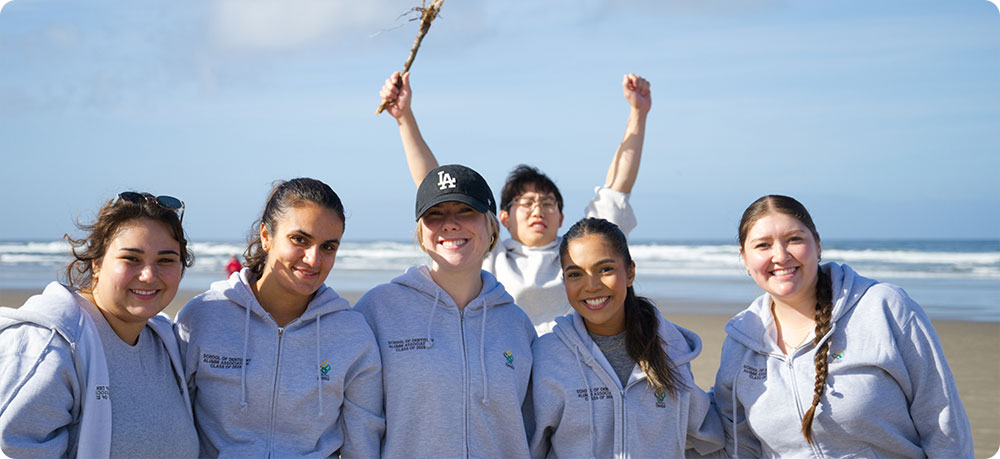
x=445, y=180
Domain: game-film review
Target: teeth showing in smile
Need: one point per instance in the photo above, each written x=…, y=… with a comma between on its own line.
x=453, y=243
x=596, y=301
x=782, y=272
x=143, y=292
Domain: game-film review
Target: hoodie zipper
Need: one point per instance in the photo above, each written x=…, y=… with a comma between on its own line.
x=798, y=401
x=274, y=393
x=624, y=424
x=465, y=376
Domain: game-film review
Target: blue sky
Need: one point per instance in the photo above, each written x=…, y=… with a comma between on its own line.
x=882, y=117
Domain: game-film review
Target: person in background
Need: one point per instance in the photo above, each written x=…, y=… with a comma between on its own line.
x=234, y=266
x=455, y=385
x=613, y=379
x=276, y=362
x=827, y=363
x=84, y=364
x=531, y=206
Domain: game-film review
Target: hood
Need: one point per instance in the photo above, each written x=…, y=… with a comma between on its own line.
x=419, y=278
x=683, y=345
x=237, y=290
x=749, y=327
x=55, y=308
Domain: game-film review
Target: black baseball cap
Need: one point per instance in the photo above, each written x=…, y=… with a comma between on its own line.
x=454, y=182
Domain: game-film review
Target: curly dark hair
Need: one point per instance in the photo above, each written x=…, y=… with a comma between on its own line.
x=113, y=215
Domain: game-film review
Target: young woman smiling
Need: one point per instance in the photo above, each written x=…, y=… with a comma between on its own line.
x=85, y=364
x=615, y=373
x=454, y=386
x=277, y=363
x=854, y=363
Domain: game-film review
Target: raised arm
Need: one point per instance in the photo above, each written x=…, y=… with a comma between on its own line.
x=419, y=157
x=625, y=164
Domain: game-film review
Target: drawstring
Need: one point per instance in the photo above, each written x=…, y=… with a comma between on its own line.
x=34, y=367
x=590, y=406
x=243, y=366
x=319, y=369
x=736, y=437
x=430, y=340
x=482, y=357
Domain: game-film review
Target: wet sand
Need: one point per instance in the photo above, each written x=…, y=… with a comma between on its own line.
x=972, y=349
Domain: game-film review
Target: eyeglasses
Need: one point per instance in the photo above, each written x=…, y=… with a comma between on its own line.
x=166, y=202
x=546, y=205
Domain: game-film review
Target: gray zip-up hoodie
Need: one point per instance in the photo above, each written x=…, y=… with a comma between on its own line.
x=616, y=421
x=307, y=389
x=54, y=386
x=889, y=391
x=456, y=380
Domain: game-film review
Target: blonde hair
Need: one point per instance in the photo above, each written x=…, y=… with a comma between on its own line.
x=492, y=225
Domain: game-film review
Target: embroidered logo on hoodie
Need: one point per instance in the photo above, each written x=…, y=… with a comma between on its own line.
x=324, y=368
x=837, y=356
x=660, y=396
x=510, y=359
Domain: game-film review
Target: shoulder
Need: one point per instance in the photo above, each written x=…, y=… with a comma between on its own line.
x=203, y=304
x=888, y=301
x=379, y=295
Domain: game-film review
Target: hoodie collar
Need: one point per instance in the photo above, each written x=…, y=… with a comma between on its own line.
x=682, y=345
x=419, y=278
x=237, y=289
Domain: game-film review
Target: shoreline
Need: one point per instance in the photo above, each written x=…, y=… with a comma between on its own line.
x=970, y=347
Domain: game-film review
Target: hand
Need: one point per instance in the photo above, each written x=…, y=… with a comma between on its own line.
x=398, y=97
x=637, y=92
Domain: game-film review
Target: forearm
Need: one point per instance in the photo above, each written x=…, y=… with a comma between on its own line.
x=419, y=157
x=625, y=165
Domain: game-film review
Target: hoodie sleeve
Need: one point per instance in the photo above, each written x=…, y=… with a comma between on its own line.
x=705, y=433
x=547, y=404
x=38, y=392
x=362, y=416
x=612, y=206
x=739, y=438
x=189, y=352
x=935, y=406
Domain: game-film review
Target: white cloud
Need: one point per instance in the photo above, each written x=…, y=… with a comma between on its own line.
x=278, y=24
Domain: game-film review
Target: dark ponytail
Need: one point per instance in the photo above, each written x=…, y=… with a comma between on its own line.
x=642, y=339
x=285, y=195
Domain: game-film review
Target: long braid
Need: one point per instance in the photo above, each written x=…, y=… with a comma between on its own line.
x=824, y=309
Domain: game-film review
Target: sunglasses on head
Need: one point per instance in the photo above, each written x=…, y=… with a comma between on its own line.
x=166, y=202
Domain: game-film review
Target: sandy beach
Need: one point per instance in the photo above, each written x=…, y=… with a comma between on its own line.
x=971, y=348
